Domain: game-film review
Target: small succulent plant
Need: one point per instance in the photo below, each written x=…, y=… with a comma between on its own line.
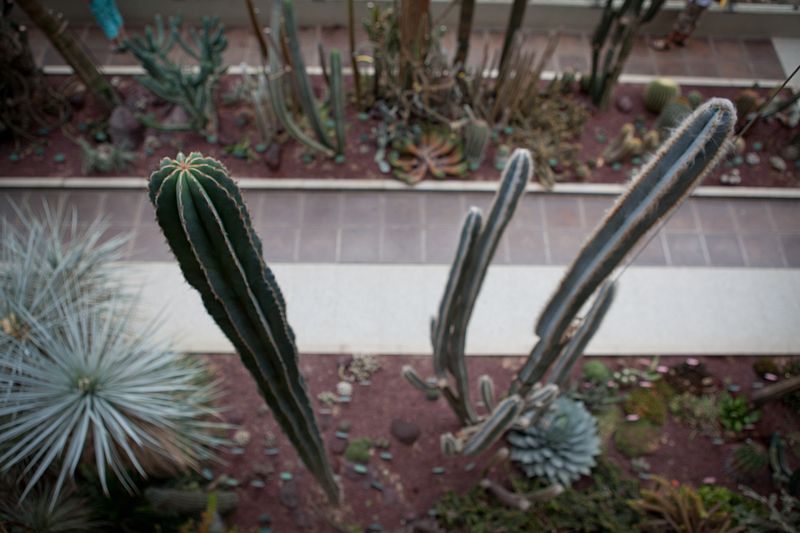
x=561, y=447
x=735, y=413
x=434, y=153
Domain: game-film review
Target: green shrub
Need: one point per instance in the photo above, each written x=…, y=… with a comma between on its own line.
x=735, y=413
x=602, y=506
x=634, y=439
x=648, y=405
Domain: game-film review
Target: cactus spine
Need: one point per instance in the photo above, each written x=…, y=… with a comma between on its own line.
x=202, y=214
x=681, y=163
x=659, y=93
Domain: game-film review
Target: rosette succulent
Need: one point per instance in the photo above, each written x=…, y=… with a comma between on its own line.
x=561, y=446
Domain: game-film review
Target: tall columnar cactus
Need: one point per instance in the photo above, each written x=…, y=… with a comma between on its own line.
x=202, y=214
x=192, y=90
x=613, y=39
x=283, y=23
x=683, y=160
x=304, y=91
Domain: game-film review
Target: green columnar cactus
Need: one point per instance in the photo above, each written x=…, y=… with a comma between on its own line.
x=659, y=93
x=202, y=214
x=191, y=89
x=680, y=164
x=305, y=93
x=616, y=34
x=337, y=100
x=475, y=250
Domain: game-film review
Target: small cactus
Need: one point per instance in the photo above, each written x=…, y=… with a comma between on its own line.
x=746, y=102
x=671, y=116
x=695, y=98
x=476, y=139
x=659, y=93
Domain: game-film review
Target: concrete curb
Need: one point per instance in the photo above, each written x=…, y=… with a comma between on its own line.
x=308, y=184
x=340, y=309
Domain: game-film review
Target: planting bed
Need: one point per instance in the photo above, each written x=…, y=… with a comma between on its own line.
x=400, y=491
x=58, y=155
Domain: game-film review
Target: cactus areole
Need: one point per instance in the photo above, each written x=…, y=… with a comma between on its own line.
x=202, y=214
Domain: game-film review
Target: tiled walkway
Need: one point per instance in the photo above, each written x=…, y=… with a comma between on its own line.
x=705, y=57
x=423, y=227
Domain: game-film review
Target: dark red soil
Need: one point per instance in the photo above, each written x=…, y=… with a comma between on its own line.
x=410, y=487
x=360, y=150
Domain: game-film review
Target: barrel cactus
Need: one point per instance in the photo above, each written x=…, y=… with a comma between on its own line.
x=561, y=447
x=202, y=214
x=672, y=115
x=659, y=93
x=746, y=102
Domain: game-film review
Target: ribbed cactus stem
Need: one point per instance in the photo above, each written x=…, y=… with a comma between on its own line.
x=207, y=226
x=495, y=425
x=276, y=92
x=415, y=380
x=682, y=162
x=486, y=389
x=580, y=339
x=304, y=91
x=337, y=100
x=476, y=248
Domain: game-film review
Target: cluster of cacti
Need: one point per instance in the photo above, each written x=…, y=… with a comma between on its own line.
x=189, y=502
x=476, y=133
x=672, y=115
x=283, y=25
x=659, y=93
x=624, y=146
x=191, y=89
x=561, y=447
x=667, y=179
x=613, y=41
x=433, y=152
x=207, y=226
x=104, y=158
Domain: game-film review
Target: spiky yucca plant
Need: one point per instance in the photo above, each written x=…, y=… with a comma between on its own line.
x=561, y=447
x=80, y=381
x=70, y=514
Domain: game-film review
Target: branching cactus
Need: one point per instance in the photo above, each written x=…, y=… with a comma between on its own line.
x=283, y=24
x=694, y=148
x=192, y=90
x=202, y=214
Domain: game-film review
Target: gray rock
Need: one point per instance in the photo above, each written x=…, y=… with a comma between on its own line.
x=287, y=494
x=624, y=103
x=752, y=159
x=125, y=129
x=777, y=163
x=405, y=431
